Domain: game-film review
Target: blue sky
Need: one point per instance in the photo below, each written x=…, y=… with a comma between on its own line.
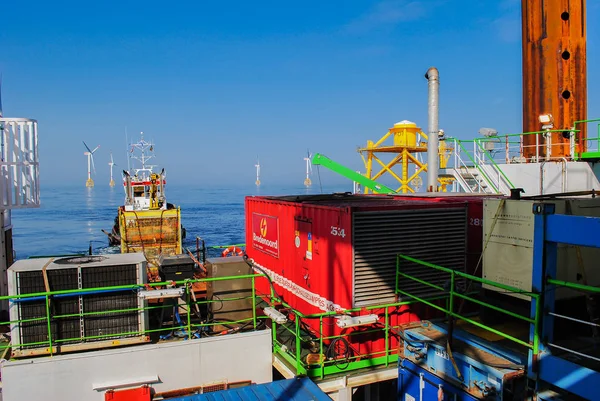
x=216, y=83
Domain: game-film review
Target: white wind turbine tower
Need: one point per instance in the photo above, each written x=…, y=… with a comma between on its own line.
x=111, y=164
x=257, y=165
x=90, y=156
x=307, y=181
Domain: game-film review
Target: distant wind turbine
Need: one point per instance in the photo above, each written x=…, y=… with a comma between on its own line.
x=0, y=96
x=307, y=181
x=111, y=164
x=257, y=165
x=90, y=156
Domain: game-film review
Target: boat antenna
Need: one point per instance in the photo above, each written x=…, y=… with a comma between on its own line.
x=127, y=153
x=142, y=146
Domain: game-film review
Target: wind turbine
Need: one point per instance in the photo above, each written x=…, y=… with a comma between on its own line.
x=0, y=96
x=307, y=181
x=90, y=156
x=257, y=165
x=111, y=164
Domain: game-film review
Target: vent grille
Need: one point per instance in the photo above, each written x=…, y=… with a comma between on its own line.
x=433, y=235
x=116, y=322
x=37, y=330
x=67, y=322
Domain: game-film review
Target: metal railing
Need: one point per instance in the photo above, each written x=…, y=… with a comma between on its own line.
x=290, y=340
x=477, y=160
x=192, y=323
x=509, y=148
x=585, y=289
x=592, y=144
x=453, y=294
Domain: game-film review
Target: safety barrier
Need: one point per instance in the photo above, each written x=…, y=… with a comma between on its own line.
x=188, y=325
x=451, y=291
x=290, y=339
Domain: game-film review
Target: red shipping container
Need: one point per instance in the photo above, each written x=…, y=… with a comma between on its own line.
x=338, y=252
x=134, y=394
x=474, y=221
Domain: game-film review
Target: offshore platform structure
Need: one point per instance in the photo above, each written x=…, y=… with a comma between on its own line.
x=408, y=144
x=554, y=153
x=19, y=182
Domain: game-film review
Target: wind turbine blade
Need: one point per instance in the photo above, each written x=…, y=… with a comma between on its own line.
x=95, y=149
x=93, y=166
x=87, y=147
x=111, y=159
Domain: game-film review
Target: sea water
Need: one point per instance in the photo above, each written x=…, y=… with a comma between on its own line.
x=72, y=218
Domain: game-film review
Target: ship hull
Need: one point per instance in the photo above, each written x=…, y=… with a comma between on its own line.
x=153, y=232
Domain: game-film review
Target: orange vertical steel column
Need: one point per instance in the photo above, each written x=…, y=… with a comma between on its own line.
x=554, y=73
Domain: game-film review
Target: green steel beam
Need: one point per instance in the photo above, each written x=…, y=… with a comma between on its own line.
x=322, y=160
x=575, y=286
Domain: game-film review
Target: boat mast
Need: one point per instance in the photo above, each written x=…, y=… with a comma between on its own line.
x=143, y=157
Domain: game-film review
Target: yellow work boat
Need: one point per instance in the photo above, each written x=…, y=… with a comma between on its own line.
x=146, y=222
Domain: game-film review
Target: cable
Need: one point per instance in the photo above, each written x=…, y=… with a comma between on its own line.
x=253, y=266
x=332, y=355
x=319, y=174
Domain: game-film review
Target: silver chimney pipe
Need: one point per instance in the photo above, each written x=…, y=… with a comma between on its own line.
x=432, y=77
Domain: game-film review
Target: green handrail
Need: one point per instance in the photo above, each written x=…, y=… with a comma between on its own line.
x=597, y=139
x=325, y=368
x=491, y=159
x=452, y=293
x=49, y=296
x=227, y=246
x=477, y=166
x=575, y=286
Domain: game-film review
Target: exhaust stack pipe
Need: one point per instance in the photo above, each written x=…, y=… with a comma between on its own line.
x=432, y=77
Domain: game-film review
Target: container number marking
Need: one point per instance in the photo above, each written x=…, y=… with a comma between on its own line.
x=475, y=222
x=441, y=353
x=337, y=231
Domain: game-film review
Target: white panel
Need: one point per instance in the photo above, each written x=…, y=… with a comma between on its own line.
x=557, y=177
x=19, y=164
x=508, y=257
x=177, y=365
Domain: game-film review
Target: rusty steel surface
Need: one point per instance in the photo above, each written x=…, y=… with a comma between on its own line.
x=554, y=72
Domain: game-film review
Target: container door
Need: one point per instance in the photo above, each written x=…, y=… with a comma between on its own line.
x=303, y=242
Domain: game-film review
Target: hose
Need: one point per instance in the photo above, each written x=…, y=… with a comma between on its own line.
x=253, y=266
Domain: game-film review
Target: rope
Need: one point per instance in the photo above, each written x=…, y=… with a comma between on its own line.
x=462, y=303
x=319, y=174
x=45, y=274
x=161, y=232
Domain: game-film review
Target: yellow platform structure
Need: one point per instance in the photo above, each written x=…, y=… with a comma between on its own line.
x=405, y=141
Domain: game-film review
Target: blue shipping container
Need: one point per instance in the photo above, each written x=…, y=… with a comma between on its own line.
x=299, y=389
x=416, y=384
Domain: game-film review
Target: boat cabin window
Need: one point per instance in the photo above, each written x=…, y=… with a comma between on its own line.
x=138, y=192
